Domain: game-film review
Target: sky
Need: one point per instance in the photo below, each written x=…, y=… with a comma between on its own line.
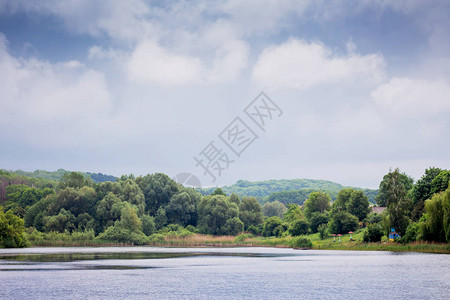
x=350, y=88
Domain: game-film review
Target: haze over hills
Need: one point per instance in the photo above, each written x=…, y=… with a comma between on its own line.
x=283, y=190
x=286, y=190
x=56, y=175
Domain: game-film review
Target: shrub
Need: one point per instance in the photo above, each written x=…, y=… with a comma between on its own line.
x=11, y=230
x=233, y=226
x=254, y=230
x=242, y=237
x=191, y=228
x=301, y=242
x=156, y=238
x=322, y=231
x=299, y=227
x=269, y=226
x=373, y=234
x=412, y=233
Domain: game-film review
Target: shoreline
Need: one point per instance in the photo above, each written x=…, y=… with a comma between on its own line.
x=420, y=247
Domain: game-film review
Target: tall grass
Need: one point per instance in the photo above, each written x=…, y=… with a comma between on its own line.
x=185, y=238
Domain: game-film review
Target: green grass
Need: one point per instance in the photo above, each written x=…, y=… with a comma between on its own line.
x=244, y=240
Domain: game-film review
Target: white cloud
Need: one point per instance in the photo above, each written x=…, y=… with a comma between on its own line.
x=150, y=63
x=409, y=97
x=300, y=65
x=59, y=98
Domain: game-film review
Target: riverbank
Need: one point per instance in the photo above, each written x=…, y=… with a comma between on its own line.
x=248, y=240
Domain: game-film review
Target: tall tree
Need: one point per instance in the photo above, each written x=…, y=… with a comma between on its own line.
x=422, y=191
x=342, y=200
x=158, y=188
x=317, y=202
x=397, y=202
x=271, y=209
x=182, y=208
x=11, y=230
x=250, y=212
x=214, y=212
x=358, y=205
x=403, y=178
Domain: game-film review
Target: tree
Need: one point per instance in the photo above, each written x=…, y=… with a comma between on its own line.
x=235, y=199
x=342, y=200
x=271, y=209
x=148, y=225
x=299, y=227
x=293, y=213
x=106, y=215
x=405, y=180
x=421, y=191
x=158, y=188
x=61, y=222
x=182, y=208
x=160, y=218
x=342, y=222
x=270, y=224
x=11, y=230
x=316, y=220
x=358, y=205
x=77, y=201
x=250, y=212
x=322, y=231
x=397, y=203
x=214, y=212
x=233, y=226
x=74, y=180
x=36, y=213
x=129, y=219
x=219, y=191
x=373, y=234
x=21, y=197
x=436, y=227
x=317, y=202
x=440, y=182
x=132, y=194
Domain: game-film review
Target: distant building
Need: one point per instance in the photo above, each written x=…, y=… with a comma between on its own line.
x=377, y=209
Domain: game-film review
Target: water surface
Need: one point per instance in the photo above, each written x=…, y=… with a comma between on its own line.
x=220, y=273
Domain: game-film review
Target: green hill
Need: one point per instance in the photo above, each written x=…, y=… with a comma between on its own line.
x=56, y=175
x=286, y=190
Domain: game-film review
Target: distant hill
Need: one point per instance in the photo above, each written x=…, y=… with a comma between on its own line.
x=286, y=190
x=56, y=175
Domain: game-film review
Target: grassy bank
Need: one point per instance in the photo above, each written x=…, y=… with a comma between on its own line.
x=174, y=239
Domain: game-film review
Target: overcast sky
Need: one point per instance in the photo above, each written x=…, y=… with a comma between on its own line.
x=140, y=87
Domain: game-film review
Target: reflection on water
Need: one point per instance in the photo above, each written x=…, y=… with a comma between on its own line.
x=192, y=273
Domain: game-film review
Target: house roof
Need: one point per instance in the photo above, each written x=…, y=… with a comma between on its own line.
x=377, y=209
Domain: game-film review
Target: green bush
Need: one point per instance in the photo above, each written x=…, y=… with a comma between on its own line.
x=87, y=235
x=301, y=242
x=11, y=230
x=373, y=234
x=254, y=230
x=323, y=231
x=299, y=227
x=240, y=238
x=412, y=233
x=191, y=229
x=119, y=234
x=156, y=238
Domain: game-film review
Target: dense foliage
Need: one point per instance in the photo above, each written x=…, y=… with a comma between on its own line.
x=286, y=191
x=142, y=210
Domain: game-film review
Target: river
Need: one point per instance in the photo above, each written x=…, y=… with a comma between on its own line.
x=220, y=273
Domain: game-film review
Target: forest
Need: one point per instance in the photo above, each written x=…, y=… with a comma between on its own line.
x=146, y=209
